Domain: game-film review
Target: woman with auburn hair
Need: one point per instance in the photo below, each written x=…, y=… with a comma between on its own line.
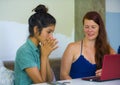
x=84, y=58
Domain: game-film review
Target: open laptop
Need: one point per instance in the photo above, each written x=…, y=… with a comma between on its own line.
x=110, y=69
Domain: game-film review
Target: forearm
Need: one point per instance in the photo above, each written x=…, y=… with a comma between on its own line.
x=49, y=72
x=43, y=70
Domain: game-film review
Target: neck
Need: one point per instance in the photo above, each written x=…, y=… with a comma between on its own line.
x=35, y=41
x=90, y=43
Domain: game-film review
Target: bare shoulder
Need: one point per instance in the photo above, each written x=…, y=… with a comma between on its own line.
x=112, y=51
x=74, y=44
x=71, y=51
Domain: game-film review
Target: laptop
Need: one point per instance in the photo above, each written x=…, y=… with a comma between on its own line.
x=110, y=69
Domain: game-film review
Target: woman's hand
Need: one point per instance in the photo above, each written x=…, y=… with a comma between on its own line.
x=98, y=72
x=48, y=46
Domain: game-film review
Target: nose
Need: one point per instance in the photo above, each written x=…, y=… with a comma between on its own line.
x=90, y=29
x=51, y=35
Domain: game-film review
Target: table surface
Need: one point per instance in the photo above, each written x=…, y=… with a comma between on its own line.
x=82, y=82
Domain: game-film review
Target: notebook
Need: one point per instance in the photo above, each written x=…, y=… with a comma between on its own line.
x=110, y=69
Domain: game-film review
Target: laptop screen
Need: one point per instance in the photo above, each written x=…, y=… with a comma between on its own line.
x=111, y=67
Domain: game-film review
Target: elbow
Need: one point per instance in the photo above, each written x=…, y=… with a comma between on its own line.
x=39, y=81
x=62, y=76
x=50, y=79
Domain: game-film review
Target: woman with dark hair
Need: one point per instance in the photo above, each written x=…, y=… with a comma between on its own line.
x=32, y=58
x=84, y=58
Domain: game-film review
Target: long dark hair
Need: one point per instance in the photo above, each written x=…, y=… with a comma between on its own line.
x=102, y=46
x=41, y=19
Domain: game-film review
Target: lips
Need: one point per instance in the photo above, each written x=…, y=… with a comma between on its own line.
x=90, y=35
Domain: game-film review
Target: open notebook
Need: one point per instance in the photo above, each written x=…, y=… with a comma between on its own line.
x=110, y=69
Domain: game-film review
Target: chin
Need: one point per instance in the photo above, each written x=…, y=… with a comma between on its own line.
x=91, y=38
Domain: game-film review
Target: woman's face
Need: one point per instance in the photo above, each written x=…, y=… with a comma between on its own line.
x=91, y=29
x=46, y=33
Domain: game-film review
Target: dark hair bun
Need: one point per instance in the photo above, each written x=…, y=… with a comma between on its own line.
x=40, y=9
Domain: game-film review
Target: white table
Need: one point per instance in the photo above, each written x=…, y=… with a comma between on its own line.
x=83, y=82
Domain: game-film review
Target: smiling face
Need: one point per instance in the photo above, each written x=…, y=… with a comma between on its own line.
x=91, y=29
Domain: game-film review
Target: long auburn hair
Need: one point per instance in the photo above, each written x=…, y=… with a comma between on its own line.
x=102, y=46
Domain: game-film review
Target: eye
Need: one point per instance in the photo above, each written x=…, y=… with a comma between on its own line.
x=93, y=27
x=49, y=32
x=86, y=27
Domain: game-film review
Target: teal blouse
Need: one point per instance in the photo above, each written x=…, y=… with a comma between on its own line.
x=28, y=55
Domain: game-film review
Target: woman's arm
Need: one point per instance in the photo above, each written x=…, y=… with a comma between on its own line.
x=34, y=74
x=46, y=48
x=112, y=51
x=45, y=72
x=66, y=62
x=42, y=75
x=50, y=75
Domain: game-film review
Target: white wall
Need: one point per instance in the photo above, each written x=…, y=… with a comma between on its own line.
x=113, y=22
